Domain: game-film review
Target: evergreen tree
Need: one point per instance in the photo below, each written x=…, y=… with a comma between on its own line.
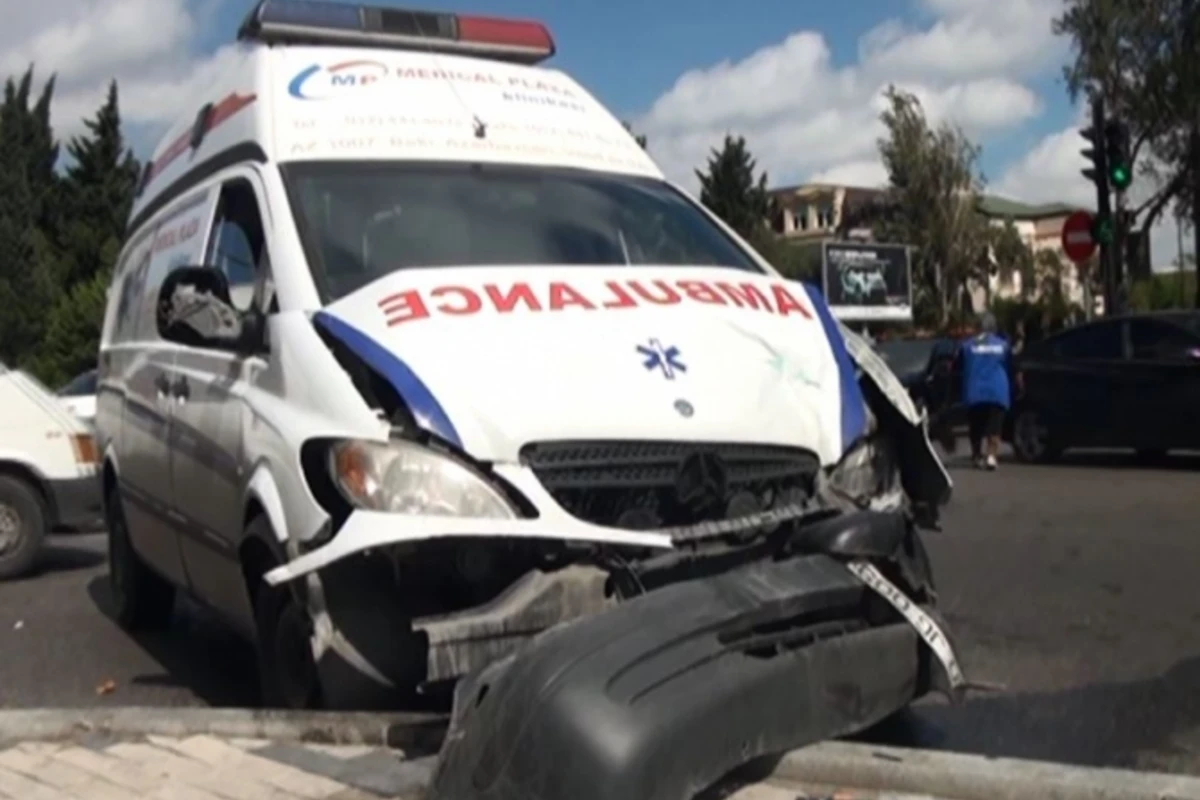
x=637, y=137
x=28, y=191
x=97, y=194
x=731, y=191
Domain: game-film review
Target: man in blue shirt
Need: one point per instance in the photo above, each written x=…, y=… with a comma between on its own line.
x=986, y=365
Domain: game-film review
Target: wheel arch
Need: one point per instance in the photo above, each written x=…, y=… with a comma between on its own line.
x=258, y=553
x=29, y=474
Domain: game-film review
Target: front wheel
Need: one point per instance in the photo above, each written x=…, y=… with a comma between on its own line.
x=22, y=527
x=287, y=671
x=1033, y=441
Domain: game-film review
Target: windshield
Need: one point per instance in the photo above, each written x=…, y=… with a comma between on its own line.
x=361, y=221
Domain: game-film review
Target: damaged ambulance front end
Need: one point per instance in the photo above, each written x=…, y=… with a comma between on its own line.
x=650, y=559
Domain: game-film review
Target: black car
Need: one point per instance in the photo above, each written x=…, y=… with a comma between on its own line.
x=928, y=369
x=1130, y=381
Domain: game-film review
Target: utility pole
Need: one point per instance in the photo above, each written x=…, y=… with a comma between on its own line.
x=1192, y=39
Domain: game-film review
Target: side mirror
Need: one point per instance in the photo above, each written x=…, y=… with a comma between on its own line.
x=195, y=309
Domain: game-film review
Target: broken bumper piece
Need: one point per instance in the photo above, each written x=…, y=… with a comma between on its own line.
x=659, y=697
x=365, y=530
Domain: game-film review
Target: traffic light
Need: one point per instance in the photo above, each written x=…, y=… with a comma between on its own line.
x=1117, y=155
x=1097, y=151
x=1102, y=230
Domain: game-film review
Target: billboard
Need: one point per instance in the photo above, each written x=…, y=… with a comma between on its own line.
x=867, y=282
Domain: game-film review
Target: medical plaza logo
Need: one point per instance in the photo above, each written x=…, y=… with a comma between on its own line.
x=317, y=82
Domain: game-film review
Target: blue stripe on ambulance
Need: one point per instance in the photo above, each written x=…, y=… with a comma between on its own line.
x=854, y=405
x=420, y=400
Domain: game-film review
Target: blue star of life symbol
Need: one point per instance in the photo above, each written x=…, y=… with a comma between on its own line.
x=666, y=359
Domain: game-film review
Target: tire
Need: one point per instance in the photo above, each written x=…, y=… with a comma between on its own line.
x=23, y=526
x=1032, y=440
x=142, y=599
x=287, y=671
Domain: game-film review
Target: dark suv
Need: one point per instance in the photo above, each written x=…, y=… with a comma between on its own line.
x=1129, y=381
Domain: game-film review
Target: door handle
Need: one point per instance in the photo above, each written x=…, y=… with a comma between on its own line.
x=181, y=388
x=162, y=385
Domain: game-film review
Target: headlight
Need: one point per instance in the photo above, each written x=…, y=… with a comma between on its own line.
x=869, y=473
x=406, y=478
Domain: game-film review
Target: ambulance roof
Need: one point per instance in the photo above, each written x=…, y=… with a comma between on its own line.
x=318, y=81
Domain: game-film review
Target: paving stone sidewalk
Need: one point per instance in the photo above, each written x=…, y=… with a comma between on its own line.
x=93, y=767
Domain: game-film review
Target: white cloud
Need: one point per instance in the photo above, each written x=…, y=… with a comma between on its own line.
x=147, y=46
x=804, y=116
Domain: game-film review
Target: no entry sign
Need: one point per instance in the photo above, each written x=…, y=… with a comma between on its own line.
x=1077, y=240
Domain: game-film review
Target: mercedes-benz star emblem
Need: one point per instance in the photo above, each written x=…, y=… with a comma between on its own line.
x=684, y=408
x=702, y=481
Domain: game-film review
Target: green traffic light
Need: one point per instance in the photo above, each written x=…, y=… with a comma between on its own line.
x=1102, y=231
x=1120, y=176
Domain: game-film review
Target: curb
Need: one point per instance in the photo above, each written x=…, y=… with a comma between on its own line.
x=965, y=776
x=894, y=770
x=416, y=732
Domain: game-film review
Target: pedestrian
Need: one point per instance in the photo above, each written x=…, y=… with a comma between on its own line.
x=986, y=359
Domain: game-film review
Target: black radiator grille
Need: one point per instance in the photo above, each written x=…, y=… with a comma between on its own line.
x=636, y=484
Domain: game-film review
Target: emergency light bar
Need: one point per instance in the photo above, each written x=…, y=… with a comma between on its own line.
x=326, y=22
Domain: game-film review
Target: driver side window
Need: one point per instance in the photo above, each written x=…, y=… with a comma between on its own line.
x=238, y=243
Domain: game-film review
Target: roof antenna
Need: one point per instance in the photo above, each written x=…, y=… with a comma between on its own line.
x=480, y=127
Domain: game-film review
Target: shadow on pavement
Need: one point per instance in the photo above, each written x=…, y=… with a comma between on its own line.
x=1102, y=725
x=197, y=653
x=57, y=556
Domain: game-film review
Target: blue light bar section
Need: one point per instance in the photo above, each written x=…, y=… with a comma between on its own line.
x=311, y=14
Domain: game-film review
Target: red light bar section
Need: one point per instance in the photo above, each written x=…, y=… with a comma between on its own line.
x=523, y=35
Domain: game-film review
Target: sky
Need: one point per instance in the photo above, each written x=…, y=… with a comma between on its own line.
x=801, y=80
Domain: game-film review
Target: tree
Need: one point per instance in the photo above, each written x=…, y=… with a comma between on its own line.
x=28, y=187
x=932, y=196
x=1143, y=58
x=1049, y=271
x=1013, y=256
x=731, y=190
x=96, y=196
x=637, y=137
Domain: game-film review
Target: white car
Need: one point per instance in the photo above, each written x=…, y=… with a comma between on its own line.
x=48, y=471
x=78, y=395
x=413, y=354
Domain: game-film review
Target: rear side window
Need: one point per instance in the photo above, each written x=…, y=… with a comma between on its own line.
x=1091, y=343
x=1160, y=341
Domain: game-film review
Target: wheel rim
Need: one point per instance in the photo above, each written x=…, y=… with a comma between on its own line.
x=1030, y=434
x=10, y=528
x=294, y=667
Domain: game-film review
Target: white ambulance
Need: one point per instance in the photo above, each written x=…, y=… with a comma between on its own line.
x=412, y=353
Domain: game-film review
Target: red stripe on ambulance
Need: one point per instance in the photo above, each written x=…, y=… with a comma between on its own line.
x=460, y=301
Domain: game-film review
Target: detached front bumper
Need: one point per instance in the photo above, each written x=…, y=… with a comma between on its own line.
x=662, y=695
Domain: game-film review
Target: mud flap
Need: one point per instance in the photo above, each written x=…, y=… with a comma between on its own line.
x=660, y=697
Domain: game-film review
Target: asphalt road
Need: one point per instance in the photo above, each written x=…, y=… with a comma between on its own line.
x=1070, y=587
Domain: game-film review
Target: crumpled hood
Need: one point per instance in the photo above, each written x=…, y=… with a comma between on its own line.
x=492, y=358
